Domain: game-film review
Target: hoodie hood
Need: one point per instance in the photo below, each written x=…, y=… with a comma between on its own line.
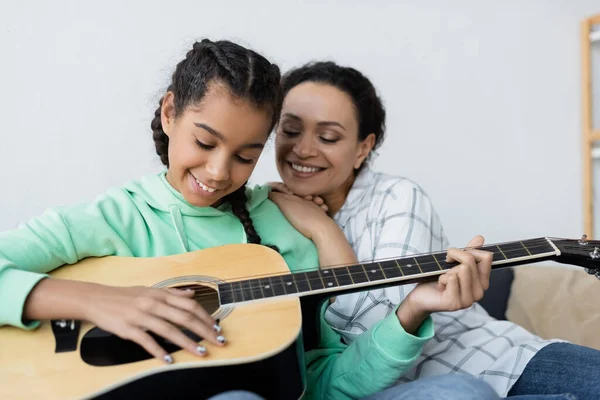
x=159, y=194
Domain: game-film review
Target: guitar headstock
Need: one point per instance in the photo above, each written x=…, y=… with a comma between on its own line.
x=582, y=252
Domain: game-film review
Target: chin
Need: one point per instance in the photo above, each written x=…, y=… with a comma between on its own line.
x=305, y=189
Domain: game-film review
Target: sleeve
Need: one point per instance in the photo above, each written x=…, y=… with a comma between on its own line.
x=405, y=223
x=44, y=243
x=370, y=364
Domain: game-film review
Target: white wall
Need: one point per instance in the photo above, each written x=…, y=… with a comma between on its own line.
x=483, y=97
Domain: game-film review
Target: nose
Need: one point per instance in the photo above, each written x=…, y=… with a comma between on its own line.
x=304, y=147
x=218, y=167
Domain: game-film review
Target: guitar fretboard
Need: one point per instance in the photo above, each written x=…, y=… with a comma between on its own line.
x=369, y=275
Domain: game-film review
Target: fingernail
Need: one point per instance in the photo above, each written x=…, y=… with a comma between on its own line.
x=217, y=328
x=221, y=339
x=201, y=350
x=168, y=359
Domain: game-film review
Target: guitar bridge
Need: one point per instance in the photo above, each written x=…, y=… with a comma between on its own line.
x=66, y=333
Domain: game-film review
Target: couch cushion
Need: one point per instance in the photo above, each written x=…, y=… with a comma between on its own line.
x=556, y=302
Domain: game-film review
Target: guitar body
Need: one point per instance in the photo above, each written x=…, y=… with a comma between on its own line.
x=264, y=351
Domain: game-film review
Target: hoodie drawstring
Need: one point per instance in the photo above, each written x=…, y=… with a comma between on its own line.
x=178, y=222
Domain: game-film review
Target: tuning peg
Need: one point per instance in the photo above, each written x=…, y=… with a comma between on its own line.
x=595, y=254
x=583, y=241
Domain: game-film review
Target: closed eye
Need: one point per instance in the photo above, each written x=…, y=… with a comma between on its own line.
x=204, y=146
x=328, y=140
x=291, y=133
x=244, y=160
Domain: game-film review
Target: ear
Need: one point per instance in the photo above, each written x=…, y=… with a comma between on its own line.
x=167, y=113
x=364, y=148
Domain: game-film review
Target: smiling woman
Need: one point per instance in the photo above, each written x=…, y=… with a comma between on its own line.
x=321, y=141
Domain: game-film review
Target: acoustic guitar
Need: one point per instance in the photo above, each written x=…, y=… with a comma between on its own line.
x=269, y=316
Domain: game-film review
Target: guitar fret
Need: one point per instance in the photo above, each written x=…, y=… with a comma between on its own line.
x=391, y=269
x=302, y=282
x=289, y=285
x=536, y=246
x=226, y=293
x=437, y=262
x=237, y=291
x=408, y=268
x=525, y=247
x=278, y=289
x=358, y=274
x=428, y=264
x=343, y=276
x=266, y=286
x=246, y=290
x=441, y=260
x=416, y=262
x=314, y=280
x=328, y=278
x=513, y=250
x=399, y=267
x=374, y=273
x=255, y=289
x=504, y=255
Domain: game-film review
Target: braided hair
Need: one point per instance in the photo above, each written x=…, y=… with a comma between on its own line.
x=246, y=74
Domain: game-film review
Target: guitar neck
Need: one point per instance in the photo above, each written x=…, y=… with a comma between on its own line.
x=396, y=271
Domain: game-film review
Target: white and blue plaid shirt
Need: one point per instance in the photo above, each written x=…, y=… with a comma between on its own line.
x=386, y=216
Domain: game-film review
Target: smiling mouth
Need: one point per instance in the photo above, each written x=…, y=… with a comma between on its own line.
x=205, y=187
x=305, y=169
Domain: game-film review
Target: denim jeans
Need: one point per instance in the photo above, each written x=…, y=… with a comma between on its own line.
x=560, y=371
x=444, y=387
x=562, y=368
x=449, y=387
x=236, y=395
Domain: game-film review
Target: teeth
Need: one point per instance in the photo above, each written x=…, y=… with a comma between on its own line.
x=300, y=168
x=205, y=188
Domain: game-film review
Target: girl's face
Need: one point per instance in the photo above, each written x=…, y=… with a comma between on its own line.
x=317, y=145
x=214, y=145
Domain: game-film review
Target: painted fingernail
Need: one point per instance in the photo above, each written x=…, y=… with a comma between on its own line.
x=217, y=328
x=168, y=359
x=221, y=339
x=201, y=350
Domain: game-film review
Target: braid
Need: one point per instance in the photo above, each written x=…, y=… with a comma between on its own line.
x=246, y=74
x=238, y=201
x=161, y=140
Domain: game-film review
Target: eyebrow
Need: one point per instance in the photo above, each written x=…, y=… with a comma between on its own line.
x=321, y=123
x=220, y=136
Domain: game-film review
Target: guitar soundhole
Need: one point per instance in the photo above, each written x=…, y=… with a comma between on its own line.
x=101, y=348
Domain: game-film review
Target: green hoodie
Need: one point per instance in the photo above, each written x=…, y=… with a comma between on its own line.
x=148, y=218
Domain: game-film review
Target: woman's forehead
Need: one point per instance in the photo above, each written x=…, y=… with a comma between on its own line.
x=314, y=102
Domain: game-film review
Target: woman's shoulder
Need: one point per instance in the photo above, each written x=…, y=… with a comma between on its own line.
x=371, y=186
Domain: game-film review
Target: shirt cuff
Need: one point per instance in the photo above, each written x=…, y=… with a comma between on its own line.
x=391, y=336
x=15, y=286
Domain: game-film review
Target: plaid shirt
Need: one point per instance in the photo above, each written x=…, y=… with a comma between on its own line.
x=386, y=216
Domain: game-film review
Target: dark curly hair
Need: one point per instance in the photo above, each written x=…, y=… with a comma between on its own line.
x=370, y=112
x=246, y=74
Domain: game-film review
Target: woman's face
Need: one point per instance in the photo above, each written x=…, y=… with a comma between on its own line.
x=317, y=145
